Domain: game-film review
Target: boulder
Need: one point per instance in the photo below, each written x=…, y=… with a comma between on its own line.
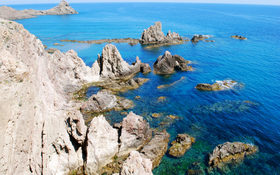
x=217, y=86
x=111, y=64
x=136, y=164
x=230, y=152
x=180, y=145
x=167, y=64
x=104, y=101
x=135, y=133
x=156, y=148
x=102, y=144
x=154, y=35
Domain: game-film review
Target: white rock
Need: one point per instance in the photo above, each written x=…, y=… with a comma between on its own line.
x=137, y=165
x=102, y=144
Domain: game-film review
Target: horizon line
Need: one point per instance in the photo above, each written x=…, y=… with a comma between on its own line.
x=177, y=2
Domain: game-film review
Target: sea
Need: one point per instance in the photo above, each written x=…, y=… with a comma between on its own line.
x=249, y=113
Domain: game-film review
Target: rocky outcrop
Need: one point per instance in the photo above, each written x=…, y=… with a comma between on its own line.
x=168, y=64
x=239, y=37
x=180, y=145
x=12, y=14
x=101, y=146
x=154, y=35
x=41, y=128
x=230, y=152
x=156, y=148
x=111, y=64
x=104, y=101
x=145, y=68
x=137, y=165
x=218, y=86
x=135, y=133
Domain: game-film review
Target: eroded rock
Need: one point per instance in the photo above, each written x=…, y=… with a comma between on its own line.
x=137, y=165
x=180, y=145
x=230, y=152
x=104, y=101
x=102, y=144
x=197, y=38
x=156, y=148
x=111, y=64
x=239, y=37
x=167, y=64
x=135, y=133
x=154, y=35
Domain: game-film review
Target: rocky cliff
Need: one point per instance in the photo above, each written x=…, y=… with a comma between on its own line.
x=42, y=130
x=63, y=8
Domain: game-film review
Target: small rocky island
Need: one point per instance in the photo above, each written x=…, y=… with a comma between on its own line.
x=239, y=37
x=155, y=37
x=168, y=64
x=63, y=8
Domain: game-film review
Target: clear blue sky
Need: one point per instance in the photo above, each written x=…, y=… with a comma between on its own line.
x=269, y=2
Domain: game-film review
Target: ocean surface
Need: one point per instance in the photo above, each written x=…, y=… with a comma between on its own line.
x=249, y=113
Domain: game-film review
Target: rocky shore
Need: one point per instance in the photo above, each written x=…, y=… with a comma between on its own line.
x=63, y=8
x=42, y=123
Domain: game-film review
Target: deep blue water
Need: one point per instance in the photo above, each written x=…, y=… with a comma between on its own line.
x=211, y=117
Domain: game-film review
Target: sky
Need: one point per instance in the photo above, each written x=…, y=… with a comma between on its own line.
x=267, y=2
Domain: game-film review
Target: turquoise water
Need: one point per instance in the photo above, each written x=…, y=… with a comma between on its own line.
x=211, y=117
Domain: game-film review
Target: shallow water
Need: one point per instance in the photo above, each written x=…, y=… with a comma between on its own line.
x=211, y=117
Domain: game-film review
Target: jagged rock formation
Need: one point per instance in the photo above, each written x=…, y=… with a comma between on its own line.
x=41, y=130
x=230, y=152
x=156, y=148
x=137, y=165
x=135, y=133
x=218, y=86
x=167, y=64
x=104, y=101
x=12, y=14
x=154, y=35
x=111, y=64
x=102, y=144
x=180, y=145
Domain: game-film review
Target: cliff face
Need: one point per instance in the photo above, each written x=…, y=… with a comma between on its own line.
x=40, y=128
x=63, y=8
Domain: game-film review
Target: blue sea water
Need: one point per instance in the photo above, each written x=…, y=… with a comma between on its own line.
x=211, y=117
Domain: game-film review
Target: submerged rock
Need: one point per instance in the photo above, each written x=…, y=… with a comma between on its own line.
x=218, y=86
x=239, y=37
x=111, y=64
x=104, y=101
x=154, y=35
x=12, y=14
x=167, y=64
x=136, y=164
x=171, y=84
x=228, y=106
x=102, y=144
x=156, y=148
x=180, y=145
x=135, y=133
x=230, y=152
